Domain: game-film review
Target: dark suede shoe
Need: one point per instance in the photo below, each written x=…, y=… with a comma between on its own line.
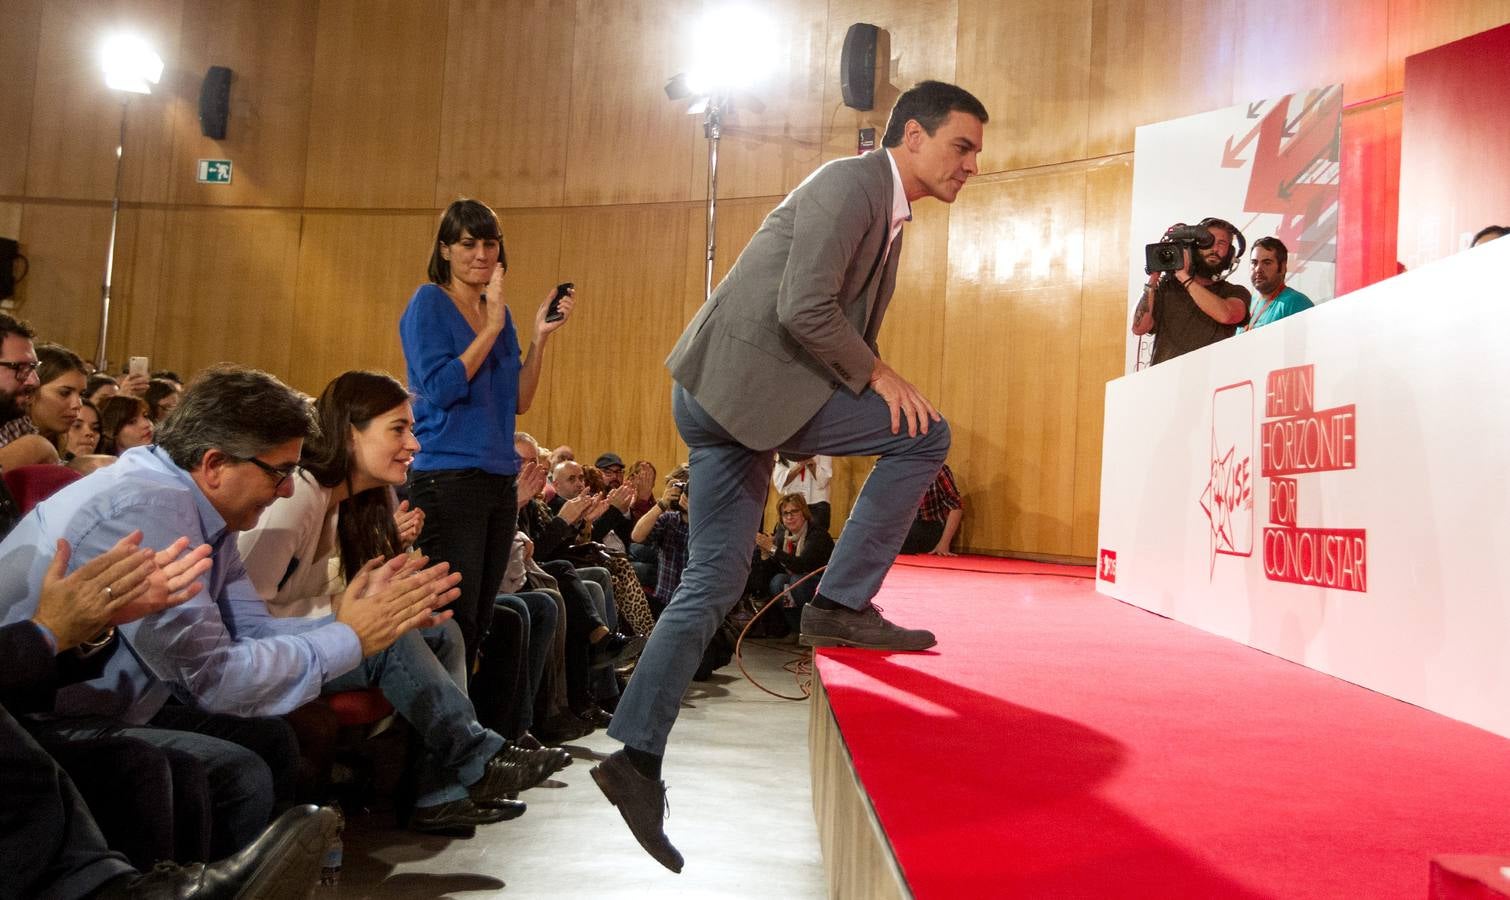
x=596, y=716
x=865, y=628
x=615, y=648
x=530, y=742
x=283, y=862
x=642, y=803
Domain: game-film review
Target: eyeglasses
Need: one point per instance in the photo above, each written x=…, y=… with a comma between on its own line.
x=23, y=370
x=279, y=476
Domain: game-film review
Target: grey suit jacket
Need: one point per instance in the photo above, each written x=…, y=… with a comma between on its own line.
x=796, y=318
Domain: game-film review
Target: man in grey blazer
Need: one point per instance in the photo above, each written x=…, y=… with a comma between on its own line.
x=783, y=357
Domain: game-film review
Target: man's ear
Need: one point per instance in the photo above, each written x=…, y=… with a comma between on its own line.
x=212, y=467
x=913, y=134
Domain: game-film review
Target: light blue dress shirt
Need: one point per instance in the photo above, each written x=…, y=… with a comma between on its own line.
x=221, y=651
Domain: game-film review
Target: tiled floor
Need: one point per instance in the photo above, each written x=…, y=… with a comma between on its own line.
x=741, y=813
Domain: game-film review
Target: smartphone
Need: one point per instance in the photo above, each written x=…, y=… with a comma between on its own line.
x=137, y=365
x=554, y=314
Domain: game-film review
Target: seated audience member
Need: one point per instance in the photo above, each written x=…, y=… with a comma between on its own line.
x=628, y=594
x=1194, y=306
x=612, y=467
x=228, y=455
x=664, y=527
x=124, y=424
x=59, y=393
x=1489, y=233
x=100, y=387
x=937, y=519
x=169, y=375
x=20, y=445
x=1275, y=299
x=50, y=845
x=340, y=505
x=642, y=476
x=162, y=398
x=809, y=476
x=133, y=385
x=83, y=435
x=798, y=548
x=592, y=640
x=561, y=454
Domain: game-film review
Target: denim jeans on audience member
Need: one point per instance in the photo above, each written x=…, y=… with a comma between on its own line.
x=605, y=685
x=542, y=622
x=445, y=641
x=421, y=690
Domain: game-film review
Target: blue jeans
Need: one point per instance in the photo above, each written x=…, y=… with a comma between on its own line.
x=412, y=678
x=727, y=492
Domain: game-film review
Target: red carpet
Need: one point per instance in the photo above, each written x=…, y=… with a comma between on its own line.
x=1061, y=744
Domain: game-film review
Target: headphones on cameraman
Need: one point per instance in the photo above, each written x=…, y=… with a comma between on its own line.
x=1239, y=247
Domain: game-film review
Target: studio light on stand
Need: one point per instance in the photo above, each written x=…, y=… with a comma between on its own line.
x=131, y=67
x=734, y=47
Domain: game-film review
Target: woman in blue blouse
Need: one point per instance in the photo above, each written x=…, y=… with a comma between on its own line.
x=463, y=362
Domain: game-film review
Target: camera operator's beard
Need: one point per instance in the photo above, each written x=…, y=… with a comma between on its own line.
x=1203, y=269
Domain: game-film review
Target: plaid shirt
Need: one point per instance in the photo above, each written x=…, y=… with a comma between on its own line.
x=942, y=497
x=669, y=538
x=15, y=428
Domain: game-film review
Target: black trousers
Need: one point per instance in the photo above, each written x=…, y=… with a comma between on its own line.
x=50, y=845
x=582, y=620
x=500, y=683
x=470, y=517
x=923, y=536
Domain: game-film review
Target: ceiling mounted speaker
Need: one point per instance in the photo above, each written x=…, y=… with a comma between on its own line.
x=215, y=102
x=857, y=66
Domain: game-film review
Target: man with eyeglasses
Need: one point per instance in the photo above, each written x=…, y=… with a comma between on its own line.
x=20, y=445
x=228, y=453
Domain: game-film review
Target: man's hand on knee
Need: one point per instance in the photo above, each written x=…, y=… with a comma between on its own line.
x=903, y=400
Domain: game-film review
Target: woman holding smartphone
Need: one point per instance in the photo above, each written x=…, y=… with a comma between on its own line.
x=462, y=358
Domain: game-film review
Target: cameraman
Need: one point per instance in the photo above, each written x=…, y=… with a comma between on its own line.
x=1194, y=306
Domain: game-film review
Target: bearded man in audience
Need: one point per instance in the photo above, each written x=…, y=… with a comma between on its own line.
x=20, y=445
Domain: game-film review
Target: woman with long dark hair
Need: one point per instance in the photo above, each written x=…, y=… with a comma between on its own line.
x=463, y=362
x=124, y=424
x=342, y=508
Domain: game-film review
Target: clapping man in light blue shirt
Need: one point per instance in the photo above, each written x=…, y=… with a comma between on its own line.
x=197, y=675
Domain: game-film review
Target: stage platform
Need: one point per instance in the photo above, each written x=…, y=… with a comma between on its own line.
x=1059, y=743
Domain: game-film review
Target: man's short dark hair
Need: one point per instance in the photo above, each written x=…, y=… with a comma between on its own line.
x=930, y=103
x=1281, y=252
x=1491, y=232
x=239, y=411
x=10, y=325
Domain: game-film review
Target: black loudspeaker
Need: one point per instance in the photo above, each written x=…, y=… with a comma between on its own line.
x=857, y=66
x=215, y=102
x=10, y=252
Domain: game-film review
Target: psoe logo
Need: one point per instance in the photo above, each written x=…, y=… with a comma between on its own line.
x=1227, y=499
x=1107, y=570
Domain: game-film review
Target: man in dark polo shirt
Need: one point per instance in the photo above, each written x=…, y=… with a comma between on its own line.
x=1195, y=306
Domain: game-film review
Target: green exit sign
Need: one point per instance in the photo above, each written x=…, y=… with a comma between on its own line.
x=215, y=171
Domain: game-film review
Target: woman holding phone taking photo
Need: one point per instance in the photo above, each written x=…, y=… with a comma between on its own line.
x=464, y=366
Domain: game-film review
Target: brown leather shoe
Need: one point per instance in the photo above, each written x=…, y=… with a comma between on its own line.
x=642, y=803
x=456, y=817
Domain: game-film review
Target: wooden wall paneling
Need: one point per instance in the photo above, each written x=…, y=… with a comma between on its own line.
x=65, y=246
x=228, y=287
x=270, y=47
x=1288, y=46
x=919, y=42
x=504, y=126
x=75, y=122
x=1012, y=351
x=10, y=221
x=1103, y=324
x=1027, y=63
x=533, y=239
x=356, y=274
x=628, y=143
x=1416, y=25
x=136, y=295
x=1152, y=61
x=376, y=107
x=608, y=388
x=770, y=151
x=18, y=70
